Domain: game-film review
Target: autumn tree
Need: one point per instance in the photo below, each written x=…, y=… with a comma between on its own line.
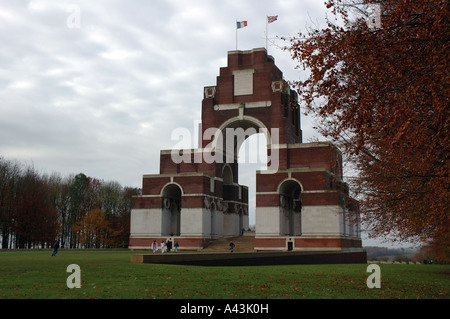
x=94, y=230
x=9, y=178
x=110, y=197
x=59, y=188
x=121, y=220
x=34, y=217
x=83, y=194
x=115, y=201
x=380, y=91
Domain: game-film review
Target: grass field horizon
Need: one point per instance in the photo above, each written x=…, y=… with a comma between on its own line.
x=109, y=274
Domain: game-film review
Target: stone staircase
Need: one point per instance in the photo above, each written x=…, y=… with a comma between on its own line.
x=245, y=243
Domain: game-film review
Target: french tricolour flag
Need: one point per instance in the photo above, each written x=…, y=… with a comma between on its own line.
x=241, y=24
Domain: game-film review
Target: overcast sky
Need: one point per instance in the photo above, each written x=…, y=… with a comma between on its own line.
x=98, y=86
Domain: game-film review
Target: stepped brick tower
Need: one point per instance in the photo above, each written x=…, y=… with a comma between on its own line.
x=302, y=202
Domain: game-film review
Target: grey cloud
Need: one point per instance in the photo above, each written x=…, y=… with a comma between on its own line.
x=104, y=98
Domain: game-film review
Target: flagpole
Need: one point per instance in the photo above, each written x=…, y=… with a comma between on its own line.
x=267, y=28
x=239, y=25
x=236, y=35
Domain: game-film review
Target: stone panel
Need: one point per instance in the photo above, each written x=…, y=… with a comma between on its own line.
x=145, y=222
x=320, y=220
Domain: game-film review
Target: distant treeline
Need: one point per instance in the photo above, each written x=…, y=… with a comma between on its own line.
x=79, y=211
x=375, y=252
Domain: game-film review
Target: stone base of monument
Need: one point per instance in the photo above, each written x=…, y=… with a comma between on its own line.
x=354, y=256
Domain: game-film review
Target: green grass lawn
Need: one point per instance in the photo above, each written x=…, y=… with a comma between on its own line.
x=110, y=274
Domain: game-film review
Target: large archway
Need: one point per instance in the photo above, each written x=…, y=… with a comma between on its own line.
x=229, y=137
x=243, y=142
x=252, y=157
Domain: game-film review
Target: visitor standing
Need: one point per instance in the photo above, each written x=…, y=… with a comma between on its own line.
x=162, y=247
x=231, y=246
x=176, y=246
x=169, y=245
x=154, y=246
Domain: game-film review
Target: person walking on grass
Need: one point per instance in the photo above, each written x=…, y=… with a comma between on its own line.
x=55, y=248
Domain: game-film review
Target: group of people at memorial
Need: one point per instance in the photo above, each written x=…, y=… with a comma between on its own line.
x=168, y=245
x=164, y=245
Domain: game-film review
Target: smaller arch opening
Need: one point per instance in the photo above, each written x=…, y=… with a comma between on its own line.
x=290, y=208
x=291, y=189
x=227, y=175
x=214, y=226
x=171, y=210
x=172, y=191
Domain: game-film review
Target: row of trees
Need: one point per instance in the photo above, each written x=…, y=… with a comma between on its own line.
x=82, y=212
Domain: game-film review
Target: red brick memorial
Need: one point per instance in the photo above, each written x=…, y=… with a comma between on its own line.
x=302, y=202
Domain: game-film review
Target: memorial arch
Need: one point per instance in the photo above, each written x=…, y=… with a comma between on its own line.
x=301, y=199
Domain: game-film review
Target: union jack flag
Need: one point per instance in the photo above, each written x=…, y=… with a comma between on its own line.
x=271, y=19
